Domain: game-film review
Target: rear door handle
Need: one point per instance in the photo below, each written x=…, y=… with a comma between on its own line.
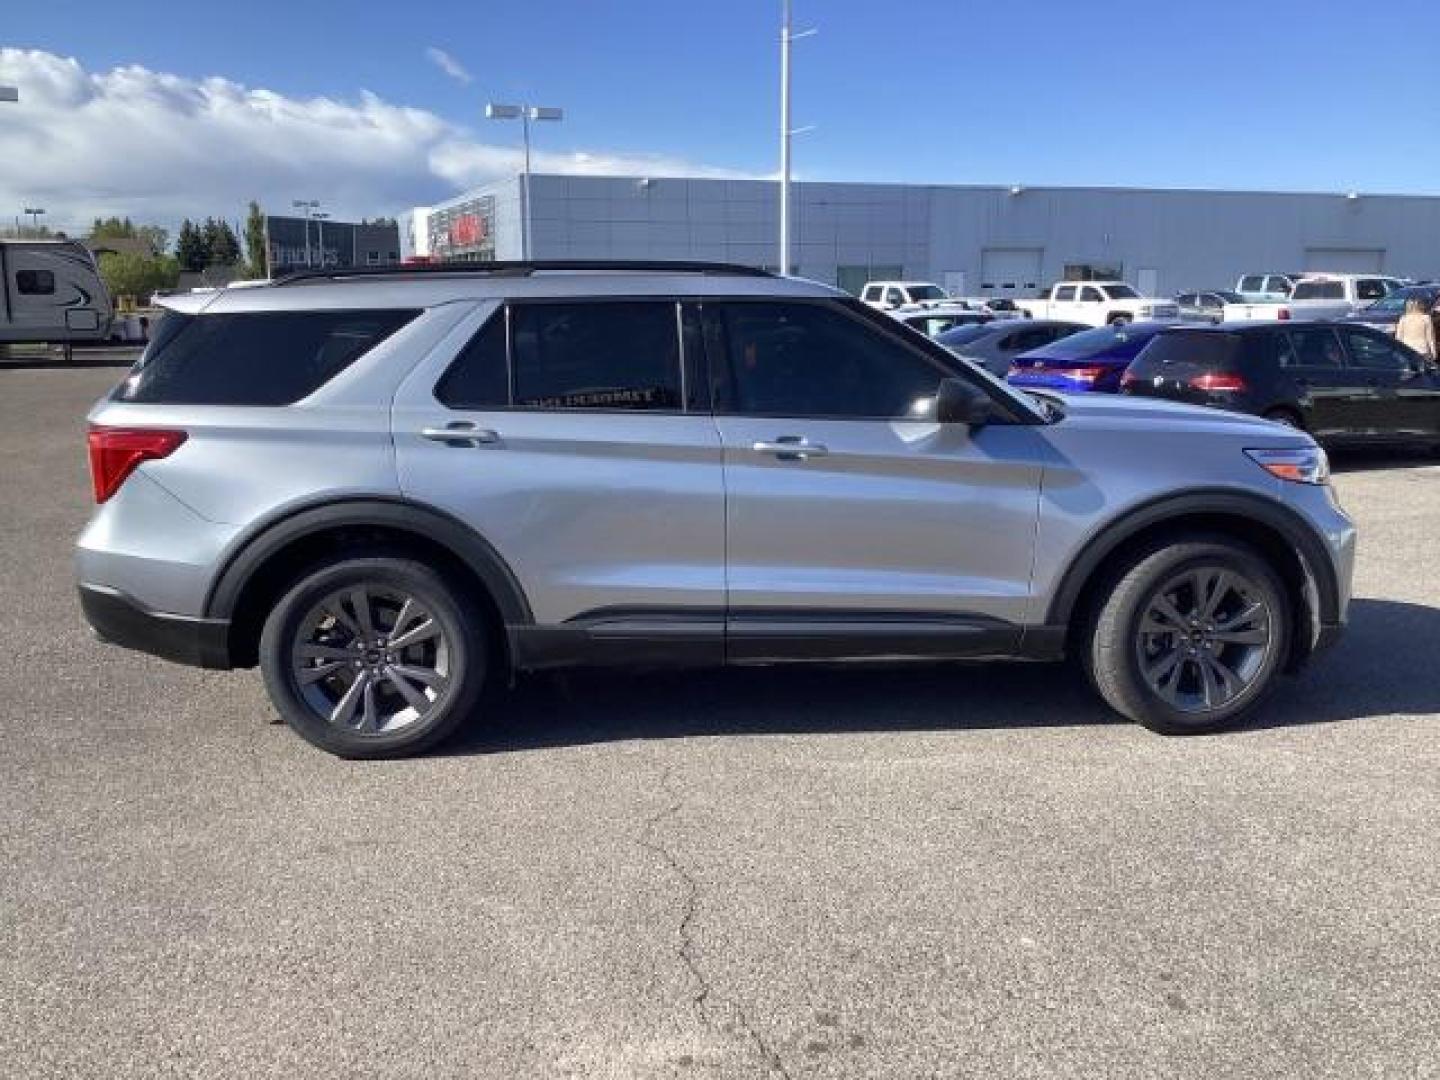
x=461, y=433
x=791, y=448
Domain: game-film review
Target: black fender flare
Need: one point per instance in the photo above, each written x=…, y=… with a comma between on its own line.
x=461, y=540
x=1276, y=516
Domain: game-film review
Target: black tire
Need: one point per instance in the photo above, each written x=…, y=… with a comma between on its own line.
x=1123, y=644
x=1120, y=320
x=1288, y=417
x=447, y=671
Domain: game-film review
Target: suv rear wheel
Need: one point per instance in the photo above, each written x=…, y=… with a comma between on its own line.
x=374, y=657
x=1192, y=637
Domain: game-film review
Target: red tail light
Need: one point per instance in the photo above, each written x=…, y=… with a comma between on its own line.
x=1086, y=374
x=1218, y=380
x=116, y=452
x=1283, y=314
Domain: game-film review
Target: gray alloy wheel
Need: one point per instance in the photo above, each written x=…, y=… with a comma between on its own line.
x=1189, y=636
x=370, y=659
x=375, y=656
x=1203, y=638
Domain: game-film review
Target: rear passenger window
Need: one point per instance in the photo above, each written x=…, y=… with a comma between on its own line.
x=1375, y=353
x=253, y=358
x=480, y=376
x=595, y=356
x=34, y=282
x=1313, y=347
x=1370, y=289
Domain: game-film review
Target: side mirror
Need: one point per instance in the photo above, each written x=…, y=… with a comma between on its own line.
x=958, y=402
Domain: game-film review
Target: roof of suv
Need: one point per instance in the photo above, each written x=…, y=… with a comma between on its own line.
x=428, y=286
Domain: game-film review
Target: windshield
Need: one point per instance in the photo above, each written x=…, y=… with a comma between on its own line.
x=1121, y=292
x=926, y=292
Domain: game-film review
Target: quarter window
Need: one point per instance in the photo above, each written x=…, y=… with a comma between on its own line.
x=595, y=356
x=34, y=282
x=809, y=360
x=1312, y=347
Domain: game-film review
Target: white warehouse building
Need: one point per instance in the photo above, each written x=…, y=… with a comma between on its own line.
x=973, y=240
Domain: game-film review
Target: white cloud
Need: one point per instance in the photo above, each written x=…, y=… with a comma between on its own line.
x=159, y=147
x=449, y=65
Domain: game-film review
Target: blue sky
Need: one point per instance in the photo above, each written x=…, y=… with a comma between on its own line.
x=1283, y=95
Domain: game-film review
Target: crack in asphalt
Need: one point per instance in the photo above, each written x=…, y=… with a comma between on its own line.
x=685, y=951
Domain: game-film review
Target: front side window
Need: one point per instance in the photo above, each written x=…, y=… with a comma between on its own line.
x=1375, y=353
x=623, y=355
x=1252, y=283
x=34, y=282
x=1065, y=292
x=810, y=360
x=1091, y=296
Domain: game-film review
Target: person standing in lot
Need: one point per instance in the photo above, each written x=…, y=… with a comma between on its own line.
x=1417, y=328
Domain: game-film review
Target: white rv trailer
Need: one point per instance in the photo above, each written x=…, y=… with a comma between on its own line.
x=50, y=291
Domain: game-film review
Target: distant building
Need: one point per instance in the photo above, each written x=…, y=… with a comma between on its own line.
x=995, y=241
x=295, y=243
x=118, y=245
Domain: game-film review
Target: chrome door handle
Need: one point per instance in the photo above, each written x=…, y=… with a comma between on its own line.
x=791, y=448
x=461, y=433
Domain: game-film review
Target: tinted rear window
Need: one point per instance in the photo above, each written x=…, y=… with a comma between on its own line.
x=1204, y=350
x=1319, y=290
x=964, y=335
x=253, y=358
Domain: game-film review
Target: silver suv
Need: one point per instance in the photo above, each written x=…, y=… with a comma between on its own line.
x=390, y=490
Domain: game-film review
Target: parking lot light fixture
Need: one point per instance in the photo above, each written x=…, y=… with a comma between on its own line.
x=309, y=206
x=525, y=114
x=35, y=213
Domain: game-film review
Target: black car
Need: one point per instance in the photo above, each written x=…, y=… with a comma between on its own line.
x=1342, y=382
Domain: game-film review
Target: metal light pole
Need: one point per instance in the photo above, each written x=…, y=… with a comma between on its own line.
x=787, y=36
x=525, y=114
x=35, y=212
x=306, y=205
x=320, y=217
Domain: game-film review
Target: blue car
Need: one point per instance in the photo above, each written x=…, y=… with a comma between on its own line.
x=1092, y=360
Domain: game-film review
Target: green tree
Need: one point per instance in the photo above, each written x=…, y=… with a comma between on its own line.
x=156, y=237
x=138, y=276
x=255, y=242
x=191, y=251
x=226, y=249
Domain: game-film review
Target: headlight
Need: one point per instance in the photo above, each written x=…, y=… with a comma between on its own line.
x=1305, y=465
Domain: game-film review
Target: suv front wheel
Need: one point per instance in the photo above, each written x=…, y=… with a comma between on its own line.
x=1192, y=636
x=374, y=657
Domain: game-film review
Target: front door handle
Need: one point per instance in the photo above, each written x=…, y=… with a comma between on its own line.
x=461, y=433
x=791, y=448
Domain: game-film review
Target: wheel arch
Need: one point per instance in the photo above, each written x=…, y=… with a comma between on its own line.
x=1276, y=531
x=268, y=561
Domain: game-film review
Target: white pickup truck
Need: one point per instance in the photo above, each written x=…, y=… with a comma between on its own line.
x=1318, y=296
x=1098, y=303
x=1334, y=296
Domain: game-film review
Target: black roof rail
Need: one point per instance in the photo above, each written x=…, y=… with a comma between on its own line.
x=525, y=269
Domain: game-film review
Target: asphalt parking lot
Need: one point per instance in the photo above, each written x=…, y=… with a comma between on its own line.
x=792, y=873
